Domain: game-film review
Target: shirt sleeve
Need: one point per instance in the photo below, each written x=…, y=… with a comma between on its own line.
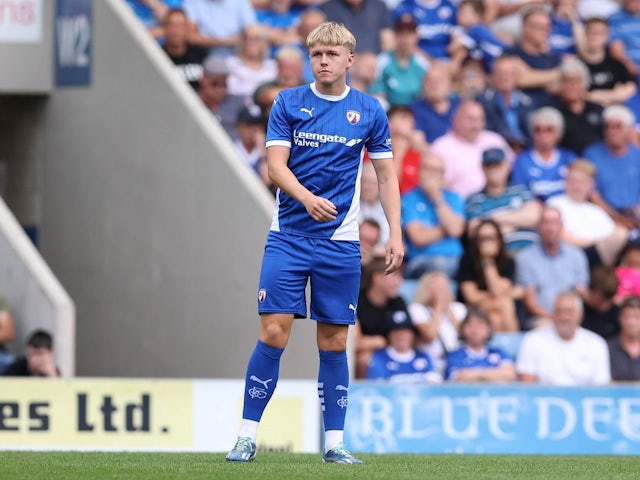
x=379, y=143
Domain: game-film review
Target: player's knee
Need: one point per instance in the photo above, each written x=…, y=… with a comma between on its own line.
x=274, y=335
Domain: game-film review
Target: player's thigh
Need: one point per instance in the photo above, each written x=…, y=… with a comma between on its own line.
x=283, y=278
x=335, y=282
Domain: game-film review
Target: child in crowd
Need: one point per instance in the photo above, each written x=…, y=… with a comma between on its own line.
x=474, y=361
x=400, y=362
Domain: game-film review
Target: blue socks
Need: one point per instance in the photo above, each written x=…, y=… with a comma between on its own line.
x=262, y=376
x=260, y=380
x=333, y=383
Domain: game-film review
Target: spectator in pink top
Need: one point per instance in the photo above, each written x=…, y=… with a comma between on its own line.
x=628, y=272
x=462, y=147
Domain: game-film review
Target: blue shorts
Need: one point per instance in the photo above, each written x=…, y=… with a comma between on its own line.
x=333, y=267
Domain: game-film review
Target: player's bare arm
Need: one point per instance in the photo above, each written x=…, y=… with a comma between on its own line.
x=320, y=209
x=390, y=200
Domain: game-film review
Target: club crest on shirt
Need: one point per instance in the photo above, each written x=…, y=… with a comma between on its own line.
x=353, y=116
x=262, y=295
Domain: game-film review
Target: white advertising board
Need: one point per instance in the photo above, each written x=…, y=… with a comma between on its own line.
x=21, y=21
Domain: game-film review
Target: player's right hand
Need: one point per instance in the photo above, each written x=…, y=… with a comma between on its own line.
x=321, y=209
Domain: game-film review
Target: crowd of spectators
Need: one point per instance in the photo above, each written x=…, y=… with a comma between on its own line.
x=515, y=134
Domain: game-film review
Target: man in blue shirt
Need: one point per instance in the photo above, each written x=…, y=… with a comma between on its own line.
x=617, y=162
x=217, y=24
x=433, y=222
x=316, y=139
x=434, y=111
x=507, y=108
x=549, y=267
x=625, y=38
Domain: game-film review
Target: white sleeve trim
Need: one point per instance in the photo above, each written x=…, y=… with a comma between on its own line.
x=278, y=143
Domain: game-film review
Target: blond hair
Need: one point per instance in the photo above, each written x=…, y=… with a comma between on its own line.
x=332, y=33
x=584, y=166
x=423, y=290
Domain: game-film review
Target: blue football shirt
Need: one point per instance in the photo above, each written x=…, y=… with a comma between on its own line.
x=466, y=358
x=436, y=20
x=327, y=136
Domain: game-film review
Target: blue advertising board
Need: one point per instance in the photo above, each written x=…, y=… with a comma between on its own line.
x=518, y=419
x=73, y=42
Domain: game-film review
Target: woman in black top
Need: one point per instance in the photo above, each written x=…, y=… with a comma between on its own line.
x=486, y=277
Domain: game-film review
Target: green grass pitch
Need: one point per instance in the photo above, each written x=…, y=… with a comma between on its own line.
x=285, y=466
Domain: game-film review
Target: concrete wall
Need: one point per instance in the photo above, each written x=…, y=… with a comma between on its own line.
x=21, y=153
x=149, y=220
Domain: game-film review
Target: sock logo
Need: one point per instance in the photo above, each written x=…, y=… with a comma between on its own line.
x=257, y=392
x=263, y=382
x=343, y=401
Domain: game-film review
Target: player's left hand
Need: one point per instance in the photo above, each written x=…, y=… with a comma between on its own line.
x=394, y=255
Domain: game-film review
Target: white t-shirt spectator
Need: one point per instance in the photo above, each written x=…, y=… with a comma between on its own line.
x=583, y=219
x=583, y=360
